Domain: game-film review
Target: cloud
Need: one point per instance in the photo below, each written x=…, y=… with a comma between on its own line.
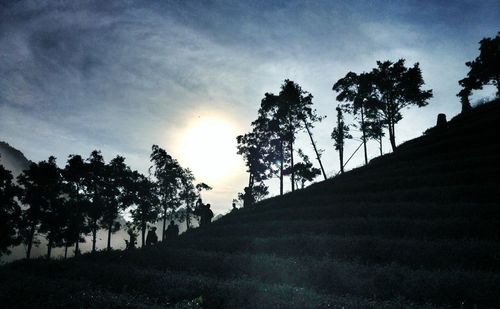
x=122, y=75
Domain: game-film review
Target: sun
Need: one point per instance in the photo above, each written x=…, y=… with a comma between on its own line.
x=208, y=148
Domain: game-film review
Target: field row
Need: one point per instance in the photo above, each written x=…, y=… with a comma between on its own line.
x=327, y=276
x=439, y=254
x=134, y=287
x=454, y=228
x=295, y=210
x=429, y=162
x=474, y=193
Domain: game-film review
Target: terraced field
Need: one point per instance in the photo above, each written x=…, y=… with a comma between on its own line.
x=416, y=228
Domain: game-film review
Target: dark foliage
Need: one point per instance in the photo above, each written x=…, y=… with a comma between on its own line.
x=10, y=212
x=484, y=70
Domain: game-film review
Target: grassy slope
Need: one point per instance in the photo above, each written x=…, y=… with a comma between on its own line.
x=418, y=227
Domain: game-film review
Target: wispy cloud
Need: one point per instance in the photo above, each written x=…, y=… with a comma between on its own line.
x=120, y=75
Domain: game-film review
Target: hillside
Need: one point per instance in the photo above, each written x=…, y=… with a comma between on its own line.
x=12, y=159
x=416, y=228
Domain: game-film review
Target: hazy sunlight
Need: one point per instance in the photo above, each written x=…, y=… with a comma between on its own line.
x=209, y=149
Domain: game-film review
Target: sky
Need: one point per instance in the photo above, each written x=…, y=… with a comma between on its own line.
x=120, y=76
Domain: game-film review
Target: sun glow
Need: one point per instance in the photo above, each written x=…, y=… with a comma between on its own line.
x=208, y=148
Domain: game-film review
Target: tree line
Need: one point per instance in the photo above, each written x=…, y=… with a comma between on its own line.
x=65, y=204
x=375, y=100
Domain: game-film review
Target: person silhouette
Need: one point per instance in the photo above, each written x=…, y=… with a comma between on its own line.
x=130, y=244
x=206, y=215
x=152, y=238
x=234, y=209
x=172, y=231
x=199, y=203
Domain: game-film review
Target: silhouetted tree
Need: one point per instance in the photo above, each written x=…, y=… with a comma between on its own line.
x=484, y=70
x=95, y=187
x=252, y=195
x=54, y=215
x=288, y=113
x=74, y=222
x=33, y=182
x=305, y=171
x=146, y=204
x=374, y=129
x=115, y=179
x=266, y=144
x=397, y=87
x=339, y=135
x=259, y=192
x=168, y=174
x=261, y=150
x=10, y=212
x=265, y=147
x=200, y=187
x=188, y=195
x=357, y=90
x=75, y=174
x=43, y=190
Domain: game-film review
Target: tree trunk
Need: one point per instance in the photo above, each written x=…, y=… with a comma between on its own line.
x=341, y=158
x=291, y=163
x=77, y=245
x=392, y=138
x=188, y=219
x=318, y=157
x=380, y=144
x=466, y=104
x=110, y=226
x=66, y=245
x=282, y=159
x=94, y=236
x=49, y=248
x=164, y=223
x=364, y=133
x=143, y=234
x=30, y=241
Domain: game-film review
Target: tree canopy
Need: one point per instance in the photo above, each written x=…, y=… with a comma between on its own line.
x=484, y=70
x=168, y=174
x=396, y=87
x=10, y=211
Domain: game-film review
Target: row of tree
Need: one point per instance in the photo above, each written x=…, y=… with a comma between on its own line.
x=89, y=194
x=374, y=99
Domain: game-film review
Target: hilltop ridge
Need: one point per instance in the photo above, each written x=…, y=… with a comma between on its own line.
x=12, y=159
x=419, y=227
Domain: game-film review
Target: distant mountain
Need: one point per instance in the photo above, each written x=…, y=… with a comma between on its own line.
x=13, y=159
